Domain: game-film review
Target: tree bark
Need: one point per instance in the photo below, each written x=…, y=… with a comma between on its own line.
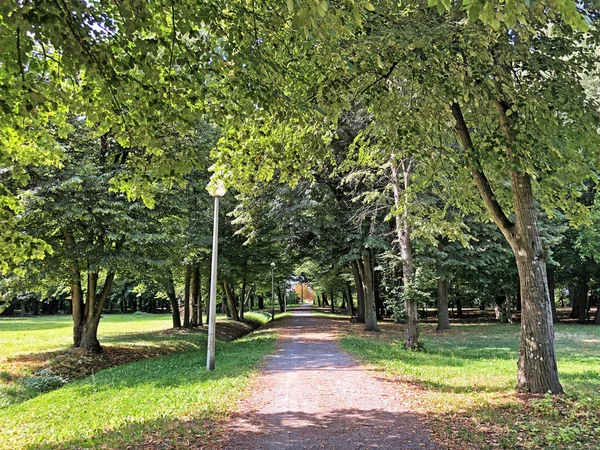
x=536, y=368
x=442, y=304
x=366, y=270
x=261, y=302
x=232, y=306
x=360, y=293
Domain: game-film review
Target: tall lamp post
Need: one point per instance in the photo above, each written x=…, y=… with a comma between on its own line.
x=216, y=190
x=272, y=293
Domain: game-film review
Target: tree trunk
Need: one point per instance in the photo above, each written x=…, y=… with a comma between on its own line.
x=332, y=301
x=411, y=333
x=552, y=291
x=350, y=300
x=232, y=306
x=537, y=372
x=186, y=296
x=442, y=304
x=501, y=300
x=508, y=307
x=170, y=290
x=366, y=270
x=578, y=293
x=261, y=302
x=196, y=301
x=94, y=307
x=360, y=293
x=243, y=294
x=280, y=300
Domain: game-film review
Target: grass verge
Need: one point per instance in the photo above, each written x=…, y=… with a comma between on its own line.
x=125, y=338
x=463, y=384
x=165, y=402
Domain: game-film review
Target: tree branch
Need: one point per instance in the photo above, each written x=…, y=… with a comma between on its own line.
x=481, y=181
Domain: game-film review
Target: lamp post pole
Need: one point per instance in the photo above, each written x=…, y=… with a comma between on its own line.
x=217, y=192
x=272, y=293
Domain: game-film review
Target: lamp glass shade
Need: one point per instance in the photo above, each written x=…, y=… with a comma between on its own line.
x=216, y=188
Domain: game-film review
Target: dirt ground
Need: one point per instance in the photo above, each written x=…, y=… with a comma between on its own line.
x=312, y=395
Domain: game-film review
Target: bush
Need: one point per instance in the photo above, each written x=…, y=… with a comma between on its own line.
x=43, y=381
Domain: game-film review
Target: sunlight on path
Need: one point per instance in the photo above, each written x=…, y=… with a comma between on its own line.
x=312, y=395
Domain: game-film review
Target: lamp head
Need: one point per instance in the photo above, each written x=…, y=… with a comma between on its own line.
x=273, y=265
x=216, y=188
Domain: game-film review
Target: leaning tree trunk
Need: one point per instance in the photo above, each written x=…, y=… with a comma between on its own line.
x=411, y=332
x=231, y=299
x=537, y=372
x=366, y=270
x=442, y=304
x=360, y=292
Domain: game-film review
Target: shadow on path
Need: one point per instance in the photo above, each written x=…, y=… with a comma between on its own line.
x=312, y=395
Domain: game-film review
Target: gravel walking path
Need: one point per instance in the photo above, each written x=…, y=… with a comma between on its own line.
x=313, y=395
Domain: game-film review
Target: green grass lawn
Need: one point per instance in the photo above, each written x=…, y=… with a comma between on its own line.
x=160, y=401
x=465, y=380
x=24, y=335
x=165, y=402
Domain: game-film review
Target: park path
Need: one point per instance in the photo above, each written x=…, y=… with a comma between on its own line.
x=313, y=395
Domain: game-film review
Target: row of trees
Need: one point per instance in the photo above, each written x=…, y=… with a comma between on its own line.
x=431, y=119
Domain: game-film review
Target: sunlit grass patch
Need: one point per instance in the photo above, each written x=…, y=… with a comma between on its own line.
x=124, y=405
x=464, y=382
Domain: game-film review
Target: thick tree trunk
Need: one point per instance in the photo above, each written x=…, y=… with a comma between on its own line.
x=261, y=302
x=170, y=290
x=196, y=301
x=186, y=296
x=232, y=306
x=442, y=304
x=366, y=271
x=537, y=372
x=332, y=301
x=360, y=293
x=94, y=307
